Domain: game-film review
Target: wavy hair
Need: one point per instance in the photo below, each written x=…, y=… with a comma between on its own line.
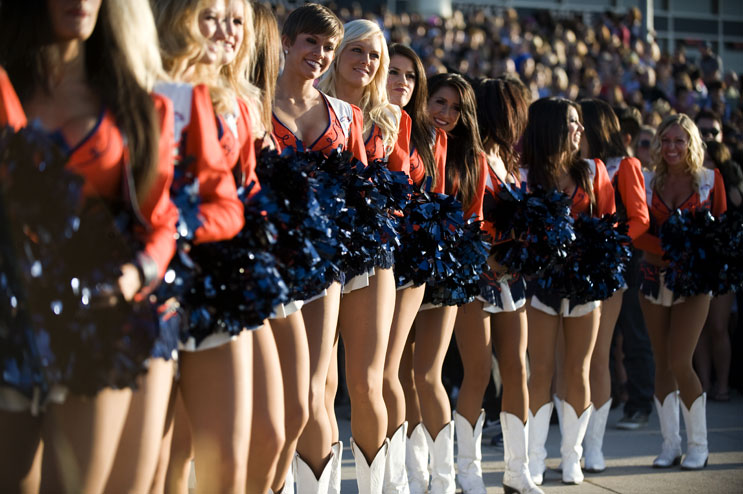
x=25, y=52
x=694, y=159
x=423, y=131
x=181, y=42
x=502, y=111
x=464, y=148
x=374, y=103
x=546, y=146
x=603, y=132
x=266, y=62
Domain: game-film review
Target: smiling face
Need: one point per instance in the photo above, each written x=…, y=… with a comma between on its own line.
x=674, y=146
x=575, y=129
x=444, y=106
x=73, y=19
x=359, y=62
x=310, y=54
x=400, y=80
x=211, y=26
x=234, y=31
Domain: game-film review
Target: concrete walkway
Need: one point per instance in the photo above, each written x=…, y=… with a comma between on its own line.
x=628, y=456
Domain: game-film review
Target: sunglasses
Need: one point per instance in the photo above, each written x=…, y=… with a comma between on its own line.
x=709, y=130
x=643, y=143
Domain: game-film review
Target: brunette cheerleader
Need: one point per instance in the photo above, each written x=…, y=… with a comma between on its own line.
x=86, y=63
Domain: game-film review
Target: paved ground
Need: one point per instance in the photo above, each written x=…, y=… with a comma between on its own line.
x=628, y=456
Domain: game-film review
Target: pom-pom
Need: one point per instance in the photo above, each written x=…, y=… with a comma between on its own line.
x=596, y=262
x=430, y=229
x=61, y=261
x=729, y=244
x=468, y=259
x=690, y=243
x=535, y=228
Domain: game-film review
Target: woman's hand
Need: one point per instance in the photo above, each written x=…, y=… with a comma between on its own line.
x=498, y=270
x=130, y=281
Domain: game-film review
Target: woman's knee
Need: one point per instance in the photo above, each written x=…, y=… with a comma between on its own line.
x=296, y=414
x=680, y=366
x=477, y=373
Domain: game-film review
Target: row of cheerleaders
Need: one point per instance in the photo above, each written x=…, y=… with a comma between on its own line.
x=331, y=224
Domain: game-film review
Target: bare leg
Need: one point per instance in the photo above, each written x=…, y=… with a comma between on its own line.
x=687, y=320
x=472, y=332
x=291, y=340
x=600, y=376
x=80, y=440
x=215, y=385
x=158, y=482
x=181, y=450
x=510, y=338
x=717, y=324
x=580, y=338
x=407, y=380
x=407, y=303
x=331, y=390
x=657, y=320
x=267, y=434
x=434, y=328
x=320, y=320
x=139, y=447
x=364, y=320
x=20, y=452
x=541, y=343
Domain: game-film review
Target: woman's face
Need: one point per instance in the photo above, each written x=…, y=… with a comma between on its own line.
x=444, y=107
x=234, y=31
x=73, y=19
x=575, y=129
x=400, y=80
x=359, y=62
x=211, y=26
x=674, y=145
x=310, y=54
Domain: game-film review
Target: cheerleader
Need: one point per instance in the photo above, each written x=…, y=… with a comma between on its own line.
x=407, y=88
x=451, y=104
x=501, y=308
x=674, y=323
x=551, y=145
x=284, y=392
x=358, y=75
x=603, y=139
x=306, y=119
x=85, y=62
x=218, y=415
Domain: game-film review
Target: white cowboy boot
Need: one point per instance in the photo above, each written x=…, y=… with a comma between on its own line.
x=516, y=478
x=571, y=449
x=442, y=459
x=695, y=419
x=668, y=414
x=370, y=477
x=395, y=475
x=416, y=460
x=336, y=451
x=307, y=483
x=469, y=454
x=539, y=426
x=594, y=441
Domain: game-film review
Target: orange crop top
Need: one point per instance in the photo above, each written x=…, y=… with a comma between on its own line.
x=398, y=160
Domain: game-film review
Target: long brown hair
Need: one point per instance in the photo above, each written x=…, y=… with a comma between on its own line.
x=464, y=149
x=501, y=114
x=547, y=152
x=25, y=39
x=423, y=132
x=266, y=62
x=602, y=130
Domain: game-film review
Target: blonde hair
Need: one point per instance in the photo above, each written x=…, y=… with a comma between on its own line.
x=374, y=102
x=182, y=45
x=137, y=37
x=234, y=76
x=266, y=61
x=694, y=159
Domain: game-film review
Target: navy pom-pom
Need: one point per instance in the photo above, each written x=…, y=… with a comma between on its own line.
x=64, y=318
x=690, y=243
x=729, y=246
x=596, y=262
x=535, y=228
x=468, y=258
